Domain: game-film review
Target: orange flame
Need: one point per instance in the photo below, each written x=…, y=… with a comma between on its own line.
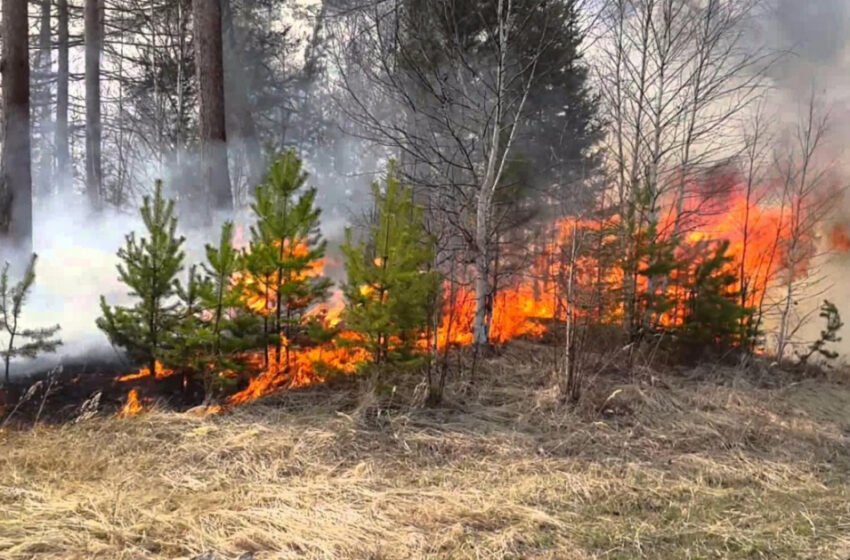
x=756, y=228
x=330, y=312
x=261, y=292
x=132, y=407
x=307, y=366
x=160, y=372
x=528, y=303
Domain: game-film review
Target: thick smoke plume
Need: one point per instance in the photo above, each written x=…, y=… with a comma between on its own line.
x=815, y=37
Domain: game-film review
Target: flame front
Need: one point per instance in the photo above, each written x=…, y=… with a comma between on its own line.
x=528, y=302
x=758, y=234
x=307, y=366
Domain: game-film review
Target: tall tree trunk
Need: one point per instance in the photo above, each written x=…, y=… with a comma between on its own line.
x=483, y=289
x=63, y=151
x=484, y=207
x=209, y=65
x=16, y=209
x=94, y=45
x=44, y=167
x=240, y=117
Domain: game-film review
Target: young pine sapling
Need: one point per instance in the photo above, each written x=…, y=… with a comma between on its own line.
x=215, y=328
x=390, y=286
x=829, y=313
x=149, y=267
x=23, y=342
x=286, y=251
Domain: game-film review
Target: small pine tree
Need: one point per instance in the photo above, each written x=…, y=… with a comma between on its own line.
x=828, y=312
x=713, y=314
x=211, y=328
x=190, y=341
x=230, y=329
x=658, y=256
x=389, y=287
x=223, y=297
x=286, y=251
x=12, y=301
x=649, y=259
x=149, y=267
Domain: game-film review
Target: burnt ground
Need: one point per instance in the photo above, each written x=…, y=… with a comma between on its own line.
x=58, y=391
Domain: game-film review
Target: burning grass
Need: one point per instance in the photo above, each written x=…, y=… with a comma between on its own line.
x=666, y=468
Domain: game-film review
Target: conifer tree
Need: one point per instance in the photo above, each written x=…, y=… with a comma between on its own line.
x=229, y=329
x=222, y=297
x=389, y=286
x=286, y=250
x=149, y=267
x=829, y=313
x=713, y=315
x=211, y=326
x=12, y=301
x=190, y=345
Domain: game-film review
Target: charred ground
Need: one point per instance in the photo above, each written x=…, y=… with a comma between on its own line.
x=60, y=392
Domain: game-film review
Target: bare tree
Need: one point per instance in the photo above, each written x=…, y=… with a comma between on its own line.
x=42, y=104
x=448, y=91
x=674, y=76
x=808, y=189
x=63, y=76
x=94, y=25
x=759, y=256
x=16, y=209
x=241, y=120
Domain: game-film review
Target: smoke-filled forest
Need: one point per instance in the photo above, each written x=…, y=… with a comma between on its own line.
x=449, y=279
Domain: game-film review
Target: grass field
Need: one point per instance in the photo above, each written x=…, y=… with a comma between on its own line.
x=665, y=467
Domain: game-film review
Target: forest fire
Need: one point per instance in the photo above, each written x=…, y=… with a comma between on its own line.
x=518, y=311
x=757, y=237
x=527, y=303
x=329, y=313
x=260, y=294
x=757, y=234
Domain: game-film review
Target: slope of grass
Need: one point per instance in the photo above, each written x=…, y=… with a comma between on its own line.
x=654, y=468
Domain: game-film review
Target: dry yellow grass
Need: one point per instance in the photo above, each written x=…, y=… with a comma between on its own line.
x=674, y=470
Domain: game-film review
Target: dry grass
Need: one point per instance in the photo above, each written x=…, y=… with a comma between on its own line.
x=661, y=469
